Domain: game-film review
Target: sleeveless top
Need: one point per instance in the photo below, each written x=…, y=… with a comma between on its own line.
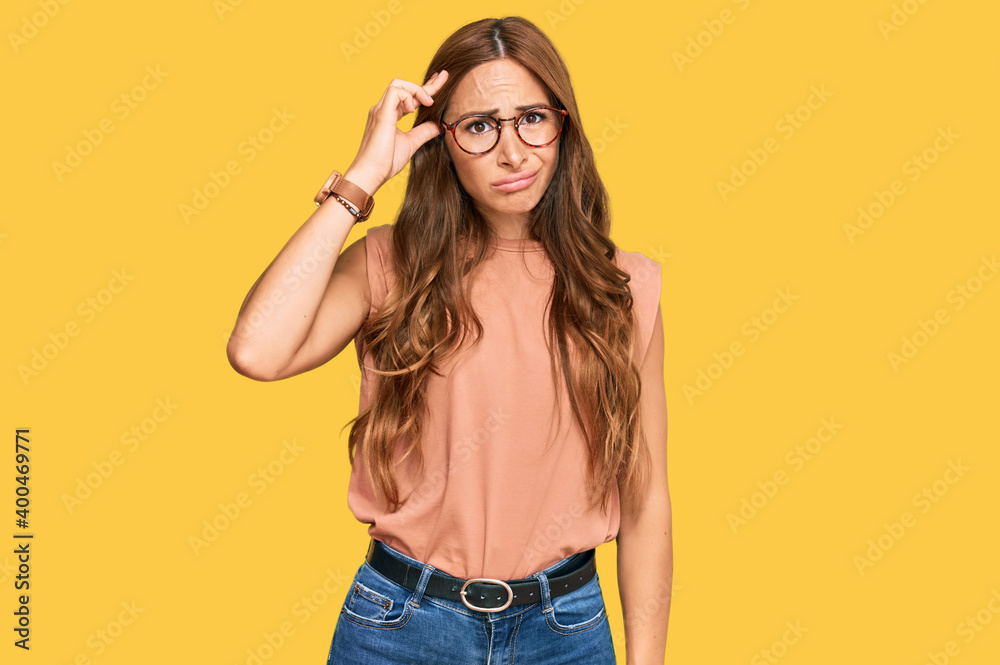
x=502, y=493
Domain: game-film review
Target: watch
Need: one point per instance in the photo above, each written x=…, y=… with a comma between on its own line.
x=359, y=202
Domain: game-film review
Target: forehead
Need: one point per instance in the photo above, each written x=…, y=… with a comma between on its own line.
x=502, y=84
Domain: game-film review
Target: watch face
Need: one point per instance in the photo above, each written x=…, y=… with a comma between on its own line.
x=327, y=189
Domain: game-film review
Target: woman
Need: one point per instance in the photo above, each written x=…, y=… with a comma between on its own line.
x=491, y=457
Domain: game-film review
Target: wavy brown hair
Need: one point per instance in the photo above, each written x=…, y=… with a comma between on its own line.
x=440, y=237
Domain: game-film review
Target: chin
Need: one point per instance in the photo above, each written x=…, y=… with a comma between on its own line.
x=525, y=207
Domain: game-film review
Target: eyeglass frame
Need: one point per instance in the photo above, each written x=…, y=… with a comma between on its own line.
x=499, y=127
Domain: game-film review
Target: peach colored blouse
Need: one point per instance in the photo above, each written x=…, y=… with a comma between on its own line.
x=502, y=494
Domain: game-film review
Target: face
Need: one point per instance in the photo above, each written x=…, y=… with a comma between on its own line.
x=502, y=85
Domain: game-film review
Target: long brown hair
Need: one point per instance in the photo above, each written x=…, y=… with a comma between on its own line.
x=590, y=309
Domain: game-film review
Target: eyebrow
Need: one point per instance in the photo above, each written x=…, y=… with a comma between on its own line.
x=524, y=107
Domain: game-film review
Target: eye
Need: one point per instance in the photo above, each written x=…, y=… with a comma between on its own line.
x=534, y=117
x=476, y=126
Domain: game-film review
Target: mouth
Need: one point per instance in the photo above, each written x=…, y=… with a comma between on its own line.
x=516, y=181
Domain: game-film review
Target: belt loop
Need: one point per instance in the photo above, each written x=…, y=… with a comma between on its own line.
x=543, y=585
x=425, y=577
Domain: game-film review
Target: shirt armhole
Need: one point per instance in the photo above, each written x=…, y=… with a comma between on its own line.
x=377, y=247
x=646, y=286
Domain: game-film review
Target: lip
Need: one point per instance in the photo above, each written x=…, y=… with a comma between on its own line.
x=515, y=181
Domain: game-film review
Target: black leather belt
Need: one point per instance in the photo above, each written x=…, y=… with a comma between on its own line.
x=486, y=594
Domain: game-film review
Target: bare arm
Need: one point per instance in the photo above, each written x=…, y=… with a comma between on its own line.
x=308, y=303
x=312, y=300
x=645, y=546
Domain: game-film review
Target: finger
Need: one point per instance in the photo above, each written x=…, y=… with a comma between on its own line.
x=417, y=91
x=395, y=103
x=404, y=101
x=423, y=133
x=435, y=82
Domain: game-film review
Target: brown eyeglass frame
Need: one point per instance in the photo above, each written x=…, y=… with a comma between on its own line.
x=499, y=124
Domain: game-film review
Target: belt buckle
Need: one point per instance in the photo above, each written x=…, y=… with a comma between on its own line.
x=510, y=594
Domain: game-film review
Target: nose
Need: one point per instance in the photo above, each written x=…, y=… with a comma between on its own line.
x=510, y=151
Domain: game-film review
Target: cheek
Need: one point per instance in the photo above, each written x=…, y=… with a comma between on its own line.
x=551, y=165
x=470, y=174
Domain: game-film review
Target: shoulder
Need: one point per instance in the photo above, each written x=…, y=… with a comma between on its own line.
x=381, y=273
x=379, y=235
x=378, y=242
x=380, y=229
x=645, y=273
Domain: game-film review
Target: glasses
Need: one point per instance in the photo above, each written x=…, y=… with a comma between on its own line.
x=537, y=127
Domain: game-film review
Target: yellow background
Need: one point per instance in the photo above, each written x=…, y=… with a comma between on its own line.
x=665, y=134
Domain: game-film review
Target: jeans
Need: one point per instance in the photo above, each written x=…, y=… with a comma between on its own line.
x=384, y=623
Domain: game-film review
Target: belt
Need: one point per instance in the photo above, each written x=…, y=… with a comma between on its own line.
x=488, y=594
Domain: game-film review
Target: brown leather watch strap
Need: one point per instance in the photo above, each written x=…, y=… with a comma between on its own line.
x=363, y=202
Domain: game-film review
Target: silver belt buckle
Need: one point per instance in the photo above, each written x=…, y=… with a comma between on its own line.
x=510, y=594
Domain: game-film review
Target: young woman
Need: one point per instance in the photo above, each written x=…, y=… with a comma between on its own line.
x=512, y=413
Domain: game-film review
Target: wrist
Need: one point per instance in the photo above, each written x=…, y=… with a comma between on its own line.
x=354, y=196
x=363, y=180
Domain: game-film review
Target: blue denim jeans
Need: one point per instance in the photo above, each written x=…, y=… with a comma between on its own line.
x=384, y=623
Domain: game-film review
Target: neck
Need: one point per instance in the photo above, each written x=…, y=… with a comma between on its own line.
x=510, y=229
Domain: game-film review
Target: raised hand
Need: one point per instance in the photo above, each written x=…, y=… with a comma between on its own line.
x=385, y=149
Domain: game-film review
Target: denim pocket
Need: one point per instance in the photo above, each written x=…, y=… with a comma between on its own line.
x=376, y=601
x=580, y=609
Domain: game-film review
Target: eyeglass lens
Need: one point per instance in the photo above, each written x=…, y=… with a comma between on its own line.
x=536, y=127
